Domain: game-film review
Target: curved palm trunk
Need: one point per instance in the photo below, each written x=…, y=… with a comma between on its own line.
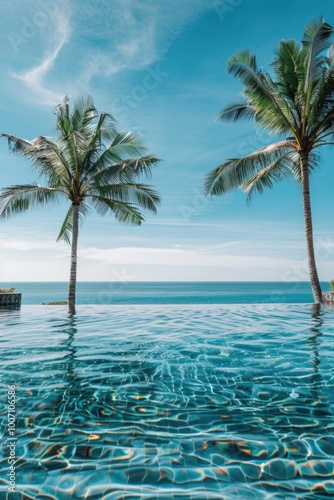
x=305, y=178
x=74, y=259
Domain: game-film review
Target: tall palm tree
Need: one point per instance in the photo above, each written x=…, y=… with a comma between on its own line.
x=298, y=103
x=90, y=164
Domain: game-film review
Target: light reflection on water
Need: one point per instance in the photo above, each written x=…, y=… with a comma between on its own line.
x=170, y=402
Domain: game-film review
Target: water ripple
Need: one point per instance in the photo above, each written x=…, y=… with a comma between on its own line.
x=170, y=402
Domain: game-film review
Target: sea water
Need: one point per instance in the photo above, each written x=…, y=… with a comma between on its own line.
x=123, y=292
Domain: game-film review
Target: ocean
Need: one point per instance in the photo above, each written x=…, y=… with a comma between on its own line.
x=99, y=293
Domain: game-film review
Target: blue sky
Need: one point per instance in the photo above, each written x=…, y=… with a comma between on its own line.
x=159, y=68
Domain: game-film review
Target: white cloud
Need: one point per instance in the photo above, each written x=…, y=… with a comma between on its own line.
x=40, y=268
x=45, y=260
x=126, y=34
x=35, y=78
x=180, y=257
x=25, y=245
x=132, y=34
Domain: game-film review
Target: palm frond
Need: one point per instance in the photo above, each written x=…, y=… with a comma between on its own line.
x=272, y=112
x=124, y=212
x=236, y=111
x=279, y=116
x=127, y=143
x=241, y=59
x=233, y=173
x=122, y=146
x=321, y=100
x=123, y=171
x=317, y=37
x=17, y=199
x=16, y=144
x=103, y=131
x=63, y=123
x=83, y=113
x=67, y=226
x=287, y=67
x=135, y=194
x=278, y=170
x=242, y=65
x=45, y=156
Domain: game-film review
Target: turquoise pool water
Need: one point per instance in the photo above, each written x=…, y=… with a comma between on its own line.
x=163, y=402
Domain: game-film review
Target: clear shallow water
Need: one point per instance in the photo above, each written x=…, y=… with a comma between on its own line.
x=170, y=402
x=169, y=292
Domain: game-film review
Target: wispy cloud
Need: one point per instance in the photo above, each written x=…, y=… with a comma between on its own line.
x=126, y=34
x=25, y=245
x=36, y=77
x=132, y=34
x=181, y=257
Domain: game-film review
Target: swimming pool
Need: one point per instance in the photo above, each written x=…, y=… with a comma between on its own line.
x=163, y=402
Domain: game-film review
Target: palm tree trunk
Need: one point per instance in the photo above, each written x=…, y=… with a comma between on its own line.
x=305, y=178
x=74, y=259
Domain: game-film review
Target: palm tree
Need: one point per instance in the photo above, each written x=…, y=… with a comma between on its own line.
x=298, y=103
x=90, y=164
